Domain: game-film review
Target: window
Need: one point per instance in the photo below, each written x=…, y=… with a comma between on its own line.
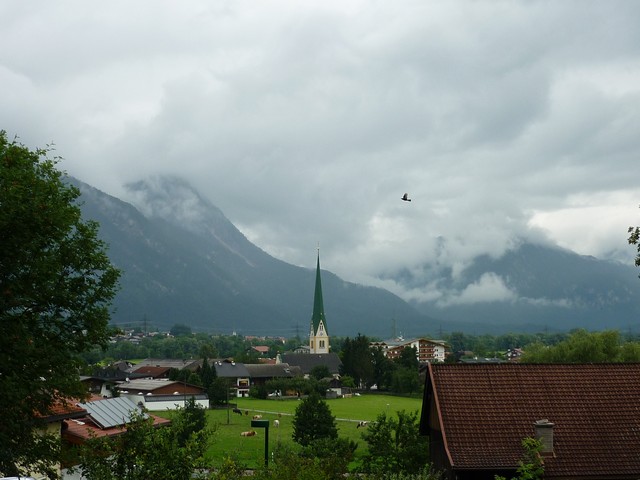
x=321, y=343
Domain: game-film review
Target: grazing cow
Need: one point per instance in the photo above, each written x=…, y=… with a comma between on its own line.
x=276, y=423
x=246, y=412
x=257, y=417
x=250, y=433
x=238, y=411
x=362, y=424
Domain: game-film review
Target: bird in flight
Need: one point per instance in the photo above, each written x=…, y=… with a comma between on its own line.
x=406, y=198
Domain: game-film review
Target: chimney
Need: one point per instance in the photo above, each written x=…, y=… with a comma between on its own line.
x=544, y=433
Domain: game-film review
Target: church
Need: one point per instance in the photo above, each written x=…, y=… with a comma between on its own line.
x=319, y=346
x=319, y=336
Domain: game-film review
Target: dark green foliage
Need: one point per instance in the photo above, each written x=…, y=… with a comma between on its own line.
x=357, y=361
x=320, y=371
x=180, y=330
x=634, y=239
x=585, y=347
x=383, y=369
x=194, y=346
x=531, y=467
x=249, y=355
x=334, y=454
x=56, y=287
x=489, y=345
x=290, y=465
x=189, y=421
x=405, y=380
x=282, y=385
x=260, y=392
x=313, y=421
x=395, y=444
x=218, y=391
x=207, y=374
x=322, y=460
x=143, y=452
x=194, y=379
x=347, y=381
x=409, y=358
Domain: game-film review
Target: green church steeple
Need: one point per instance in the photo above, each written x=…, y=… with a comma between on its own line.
x=318, y=337
x=318, y=306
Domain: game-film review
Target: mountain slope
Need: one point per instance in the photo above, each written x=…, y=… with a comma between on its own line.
x=184, y=262
x=539, y=287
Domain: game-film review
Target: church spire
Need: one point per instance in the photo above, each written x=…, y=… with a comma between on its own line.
x=318, y=337
x=318, y=306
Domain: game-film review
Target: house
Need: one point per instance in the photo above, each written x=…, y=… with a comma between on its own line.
x=427, y=350
x=54, y=423
x=236, y=373
x=335, y=388
x=261, y=349
x=105, y=418
x=260, y=374
x=151, y=371
x=168, y=363
x=103, y=379
x=308, y=361
x=161, y=393
x=514, y=354
x=586, y=415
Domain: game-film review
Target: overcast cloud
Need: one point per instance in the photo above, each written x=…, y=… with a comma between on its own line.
x=305, y=122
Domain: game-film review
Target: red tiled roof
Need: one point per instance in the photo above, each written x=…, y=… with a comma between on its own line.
x=80, y=430
x=487, y=409
x=151, y=371
x=62, y=409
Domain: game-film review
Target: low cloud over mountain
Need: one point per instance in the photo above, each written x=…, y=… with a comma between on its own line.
x=185, y=262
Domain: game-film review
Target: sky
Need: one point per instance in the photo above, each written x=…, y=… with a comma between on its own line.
x=305, y=122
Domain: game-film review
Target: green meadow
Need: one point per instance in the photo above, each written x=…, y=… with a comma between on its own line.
x=249, y=451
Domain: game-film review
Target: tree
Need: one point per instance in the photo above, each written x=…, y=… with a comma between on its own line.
x=190, y=420
x=383, y=368
x=56, y=288
x=409, y=358
x=405, y=380
x=218, y=391
x=584, y=347
x=334, y=454
x=143, y=451
x=357, y=360
x=207, y=373
x=313, y=421
x=634, y=239
x=320, y=371
x=395, y=444
x=531, y=467
x=180, y=330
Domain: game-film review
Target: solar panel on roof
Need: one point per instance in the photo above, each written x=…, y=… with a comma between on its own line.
x=111, y=412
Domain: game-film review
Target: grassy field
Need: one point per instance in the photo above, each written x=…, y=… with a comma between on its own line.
x=249, y=451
